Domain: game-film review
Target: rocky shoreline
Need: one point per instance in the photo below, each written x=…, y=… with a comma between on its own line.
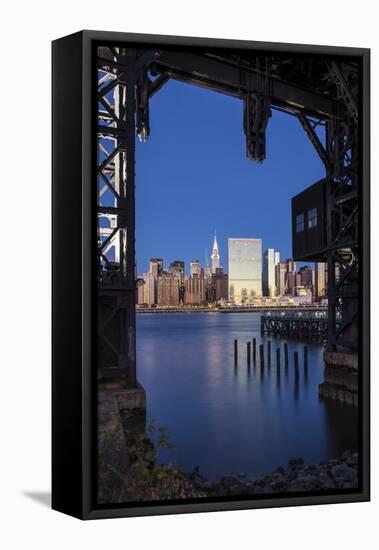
x=341, y=473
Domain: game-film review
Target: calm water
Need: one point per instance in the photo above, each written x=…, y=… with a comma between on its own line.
x=228, y=420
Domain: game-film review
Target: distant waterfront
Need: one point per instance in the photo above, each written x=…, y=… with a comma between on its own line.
x=226, y=419
x=242, y=309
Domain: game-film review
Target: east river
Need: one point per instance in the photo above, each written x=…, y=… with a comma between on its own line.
x=235, y=420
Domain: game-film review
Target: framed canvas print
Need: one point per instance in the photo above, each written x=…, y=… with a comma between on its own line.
x=210, y=274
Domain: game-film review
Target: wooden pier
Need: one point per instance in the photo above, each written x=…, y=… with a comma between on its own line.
x=308, y=325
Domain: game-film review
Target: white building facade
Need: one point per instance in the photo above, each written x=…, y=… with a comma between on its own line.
x=270, y=260
x=244, y=269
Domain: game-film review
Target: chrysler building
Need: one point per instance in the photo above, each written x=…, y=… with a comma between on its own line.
x=215, y=256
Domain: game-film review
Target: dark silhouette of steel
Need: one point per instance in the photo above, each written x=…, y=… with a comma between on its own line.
x=322, y=94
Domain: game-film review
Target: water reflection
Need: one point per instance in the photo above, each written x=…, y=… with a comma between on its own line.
x=227, y=417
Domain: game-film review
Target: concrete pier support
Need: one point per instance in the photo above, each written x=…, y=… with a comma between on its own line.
x=121, y=417
x=340, y=377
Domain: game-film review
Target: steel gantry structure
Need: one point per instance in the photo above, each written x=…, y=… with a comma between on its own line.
x=322, y=93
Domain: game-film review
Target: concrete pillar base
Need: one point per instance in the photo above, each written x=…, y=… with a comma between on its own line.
x=131, y=405
x=121, y=417
x=340, y=377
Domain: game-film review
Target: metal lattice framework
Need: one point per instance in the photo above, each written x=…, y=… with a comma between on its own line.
x=323, y=95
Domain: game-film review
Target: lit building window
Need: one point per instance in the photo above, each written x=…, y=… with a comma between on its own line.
x=299, y=223
x=312, y=218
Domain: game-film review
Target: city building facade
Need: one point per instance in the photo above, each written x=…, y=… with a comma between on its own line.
x=321, y=280
x=177, y=269
x=195, y=268
x=168, y=289
x=281, y=278
x=244, y=269
x=147, y=291
x=195, y=290
x=215, y=256
x=219, y=286
x=270, y=260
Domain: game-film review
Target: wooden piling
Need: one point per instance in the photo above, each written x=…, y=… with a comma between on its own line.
x=261, y=356
x=278, y=367
x=235, y=352
x=306, y=364
x=268, y=352
x=248, y=353
x=254, y=349
x=296, y=364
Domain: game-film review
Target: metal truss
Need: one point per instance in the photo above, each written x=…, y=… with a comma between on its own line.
x=342, y=233
x=317, y=93
x=257, y=111
x=339, y=156
x=116, y=108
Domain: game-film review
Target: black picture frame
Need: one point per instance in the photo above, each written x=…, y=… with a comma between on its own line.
x=74, y=295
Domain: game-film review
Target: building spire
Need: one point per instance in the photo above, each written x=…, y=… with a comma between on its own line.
x=215, y=255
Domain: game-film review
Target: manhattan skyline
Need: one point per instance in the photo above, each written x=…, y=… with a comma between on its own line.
x=193, y=177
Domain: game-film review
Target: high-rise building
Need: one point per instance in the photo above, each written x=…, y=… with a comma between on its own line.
x=195, y=289
x=306, y=273
x=215, y=256
x=281, y=278
x=293, y=281
x=270, y=260
x=195, y=268
x=155, y=269
x=320, y=280
x=168, y=289
x=244, y=269
x=207, y=269
x=177, y=269
x=219, y=285
x=147, y=292
x=140, y=294
x=156, y=266
x=291, y=265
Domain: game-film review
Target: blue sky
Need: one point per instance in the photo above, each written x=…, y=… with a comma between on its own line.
x=193, y=177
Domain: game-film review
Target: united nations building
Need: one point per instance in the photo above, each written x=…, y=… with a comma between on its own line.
x=245, y=269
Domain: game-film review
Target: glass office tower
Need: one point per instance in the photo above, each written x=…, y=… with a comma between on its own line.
x=245, y=269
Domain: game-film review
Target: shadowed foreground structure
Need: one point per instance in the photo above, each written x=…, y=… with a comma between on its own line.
x=322, y=93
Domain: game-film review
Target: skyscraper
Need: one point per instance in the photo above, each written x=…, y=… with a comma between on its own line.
x=244, y=269
x=177, y=269
x=207, y=268
x=320, y=280
x=281, y=278
x=306, y=276
x=195, y=289
x=147, y=293
x=195, y=268
x=219, y=285
x=291, y=265
x=168, y=289
x=155, y=269
x=156, y=266
x=270, y=260
x=215, y=256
